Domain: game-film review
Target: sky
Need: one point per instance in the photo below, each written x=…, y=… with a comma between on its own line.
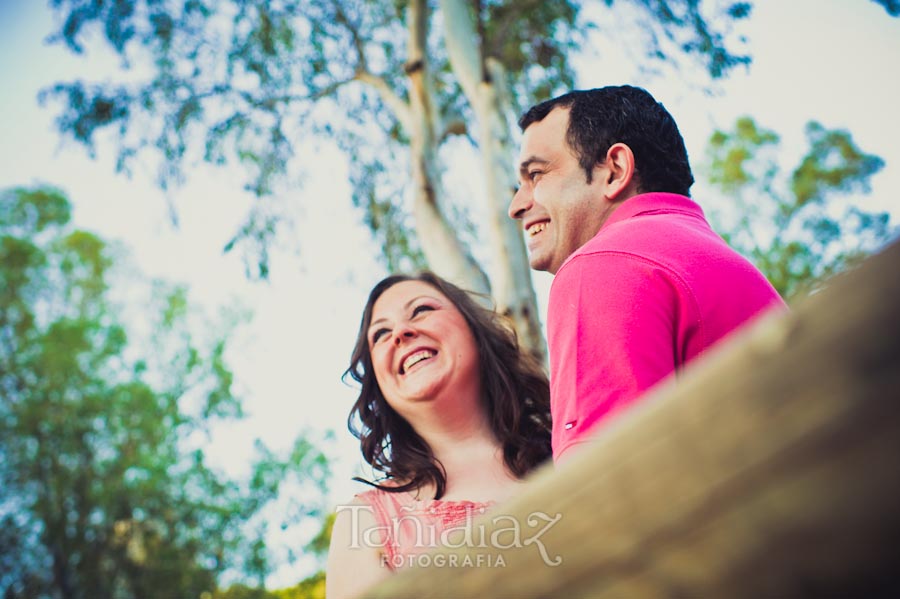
x=833, y=61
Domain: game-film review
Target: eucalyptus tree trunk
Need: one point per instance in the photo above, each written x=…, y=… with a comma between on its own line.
x=510, y=282
x=443, y=250
x=483, y=80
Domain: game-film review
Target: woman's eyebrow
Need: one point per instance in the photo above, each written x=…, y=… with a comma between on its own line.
x=405, y=307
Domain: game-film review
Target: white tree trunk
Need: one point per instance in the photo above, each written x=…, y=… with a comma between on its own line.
x=483, y=82
x=445, y=253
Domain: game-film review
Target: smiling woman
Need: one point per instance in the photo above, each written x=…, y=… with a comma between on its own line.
x=422, y=349
x=450, y=411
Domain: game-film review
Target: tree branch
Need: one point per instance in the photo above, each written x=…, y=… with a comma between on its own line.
x=358, y=43
x=459, y=32
x=399, y=107
x=454, y=127
x=393, y=101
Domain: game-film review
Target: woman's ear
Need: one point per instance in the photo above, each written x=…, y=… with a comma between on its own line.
x=619, y=171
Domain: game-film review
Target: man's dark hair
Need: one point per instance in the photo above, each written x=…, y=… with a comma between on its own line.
x=599, y=118
x=515, y=396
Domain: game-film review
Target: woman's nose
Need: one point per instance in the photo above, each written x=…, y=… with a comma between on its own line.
x=403, y=332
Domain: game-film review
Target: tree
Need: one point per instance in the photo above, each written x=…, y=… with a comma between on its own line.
x=397, y=85
x=311, y=587
x=795, y=226
x=105, y=490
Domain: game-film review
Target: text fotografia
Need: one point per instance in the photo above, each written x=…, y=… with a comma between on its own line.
x=506, y=533
x=443, y=560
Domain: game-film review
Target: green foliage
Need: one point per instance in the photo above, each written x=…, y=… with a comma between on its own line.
x=320, y=543
x=105, y=489
x=677, y=28
x=312, y=587
x=798, y=228
x=242, y=591
x=244, y=82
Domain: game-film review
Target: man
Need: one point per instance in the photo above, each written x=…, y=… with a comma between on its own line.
x=642, y=284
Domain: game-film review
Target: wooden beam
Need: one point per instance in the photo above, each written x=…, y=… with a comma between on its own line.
x=771, y=468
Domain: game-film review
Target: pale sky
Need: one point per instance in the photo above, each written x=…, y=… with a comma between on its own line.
x=833, y=61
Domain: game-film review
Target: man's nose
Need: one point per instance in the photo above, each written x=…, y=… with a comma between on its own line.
x=520, y=203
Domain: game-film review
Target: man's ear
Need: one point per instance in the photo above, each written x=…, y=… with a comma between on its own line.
x=621, y=182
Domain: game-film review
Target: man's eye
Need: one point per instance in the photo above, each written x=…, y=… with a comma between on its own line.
x=421, y=308
x=532, y=175
x=378, y=335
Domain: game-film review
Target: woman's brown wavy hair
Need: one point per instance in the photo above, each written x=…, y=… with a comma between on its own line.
x=515, y=394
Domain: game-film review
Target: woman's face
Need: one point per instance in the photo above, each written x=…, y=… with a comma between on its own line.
x=421, y=346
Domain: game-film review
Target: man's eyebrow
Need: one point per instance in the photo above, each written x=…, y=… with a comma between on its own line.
x=405, y=307
x=523, y=167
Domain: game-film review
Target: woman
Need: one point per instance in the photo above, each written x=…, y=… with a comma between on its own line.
x=450, y=411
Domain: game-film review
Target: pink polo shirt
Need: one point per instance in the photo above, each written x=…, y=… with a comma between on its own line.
x=651, y=291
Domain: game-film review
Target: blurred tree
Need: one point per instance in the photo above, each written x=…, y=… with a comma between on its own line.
x=795, y=226
x=396, y=84
x=320, y=543
x=242, y=591
x=311, y=587
x=105, y=490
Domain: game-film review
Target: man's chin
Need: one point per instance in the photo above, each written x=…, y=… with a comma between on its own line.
x=540, y=263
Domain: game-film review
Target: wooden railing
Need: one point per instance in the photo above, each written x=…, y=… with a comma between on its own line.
x=770, y=469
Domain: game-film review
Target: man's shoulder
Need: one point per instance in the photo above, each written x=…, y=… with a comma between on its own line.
x=674, y=247
x=666, y=237
x=629, y=244
x=595, y=270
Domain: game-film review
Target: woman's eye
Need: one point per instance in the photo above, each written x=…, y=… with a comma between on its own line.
x=421, y=308
x=534, y=175
x=378, y=335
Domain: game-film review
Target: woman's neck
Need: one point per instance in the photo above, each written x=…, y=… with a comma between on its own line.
x=457, y=429
x=473, y=464
x=451, y=420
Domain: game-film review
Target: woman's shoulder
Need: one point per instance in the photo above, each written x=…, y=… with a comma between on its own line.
x=384, y=501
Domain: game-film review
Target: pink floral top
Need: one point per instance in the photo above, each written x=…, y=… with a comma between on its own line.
x=409, y=526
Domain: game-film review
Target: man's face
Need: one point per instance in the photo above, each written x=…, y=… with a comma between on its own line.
x=560, y=211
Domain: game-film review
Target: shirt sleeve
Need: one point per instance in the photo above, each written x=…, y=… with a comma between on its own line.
x=611, y=330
